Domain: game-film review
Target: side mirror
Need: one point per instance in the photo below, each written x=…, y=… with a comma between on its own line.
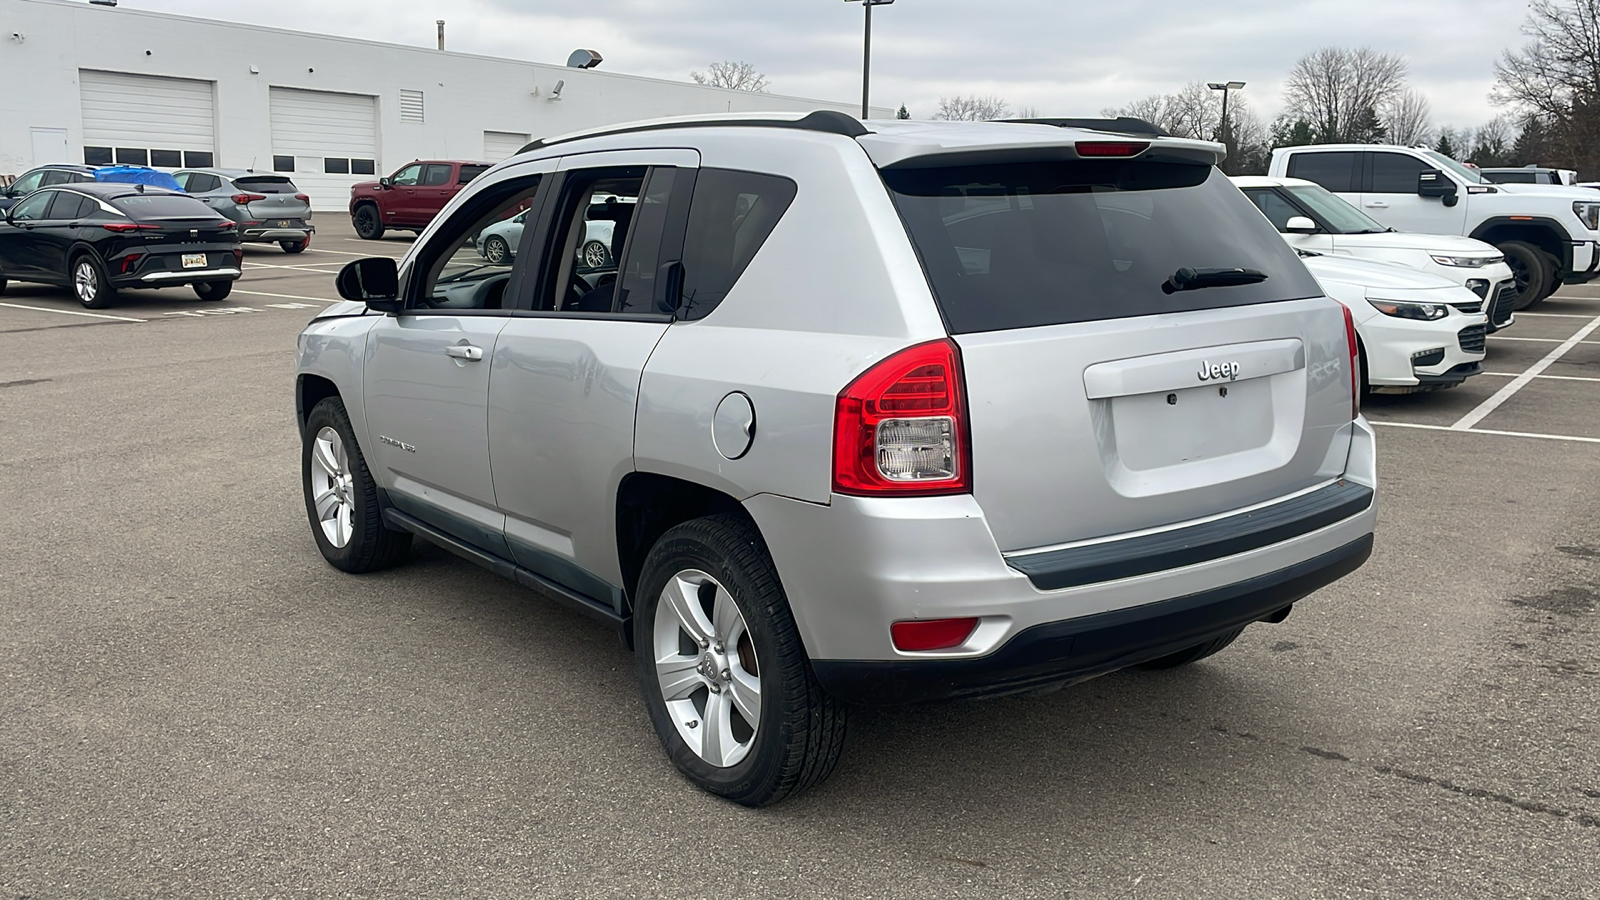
x=1434, y=183
x=385, y=182
x=374, y=281
x=1300, y=225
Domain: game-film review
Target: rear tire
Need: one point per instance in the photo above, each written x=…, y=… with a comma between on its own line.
x=342, y=497
x=496, y=250
x=726, y=642
x=2, y=284
x=1192, y=654
x=295, y=246
x=1534, y=272
x=367, y=222
x=213, y=290
x=90, y=283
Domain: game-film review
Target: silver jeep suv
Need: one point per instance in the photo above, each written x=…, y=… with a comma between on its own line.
x=850, y=413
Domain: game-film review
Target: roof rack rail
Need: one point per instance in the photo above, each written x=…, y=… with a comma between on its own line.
x=1119, y=125
x=826, y=121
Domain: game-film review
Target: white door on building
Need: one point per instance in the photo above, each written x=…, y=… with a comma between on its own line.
x=498, y=145
x=325, y=141
x=50, y=146
x=147, y=120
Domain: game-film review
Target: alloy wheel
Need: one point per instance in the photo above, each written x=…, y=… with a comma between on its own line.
x=332, y=487
x=594, y=254
x=85, y=282
x=705, y=662
x=495, y=250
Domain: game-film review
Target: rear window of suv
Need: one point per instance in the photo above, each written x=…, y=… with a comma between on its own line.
x=267, y=184
x=1028, y=244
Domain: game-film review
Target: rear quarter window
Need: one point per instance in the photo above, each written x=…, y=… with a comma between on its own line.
x=730, y=217
x=1031, y=244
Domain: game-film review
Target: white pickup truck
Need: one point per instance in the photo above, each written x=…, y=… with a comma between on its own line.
x=1546, y=232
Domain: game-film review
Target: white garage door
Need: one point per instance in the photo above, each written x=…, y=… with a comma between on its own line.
x=498, y=145
x=147, y=120
x=325, y=142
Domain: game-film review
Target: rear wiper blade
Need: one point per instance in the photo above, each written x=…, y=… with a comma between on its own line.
x=1188, y=279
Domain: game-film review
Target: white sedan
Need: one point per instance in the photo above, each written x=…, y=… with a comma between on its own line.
x=1415, y=329
x=498, y=242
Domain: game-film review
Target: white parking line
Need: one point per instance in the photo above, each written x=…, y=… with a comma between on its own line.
x=344, y=252
x=1521, y=434
x=1554, y=315
x=303, y=267
x=73, y=312
x=1553, y=377
x=1499, y=337
x=323, y=300
x=1490, y=405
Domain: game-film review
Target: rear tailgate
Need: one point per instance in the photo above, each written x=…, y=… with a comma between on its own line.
x=281, y=204
x=1101, y=403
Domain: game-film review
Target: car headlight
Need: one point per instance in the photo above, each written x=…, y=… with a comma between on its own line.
x=1467, y=262
x=1422, y=312
x=1589, y=212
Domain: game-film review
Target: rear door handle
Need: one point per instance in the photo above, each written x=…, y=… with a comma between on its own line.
x=464, y=351
x=1377, y=204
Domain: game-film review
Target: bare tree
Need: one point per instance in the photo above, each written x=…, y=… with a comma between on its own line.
x=1554, y=81
x=1494, y=141
x=1337, y=90
x=735, y=76
x=1408, y=119
x=1195, y=111
x=972, y=109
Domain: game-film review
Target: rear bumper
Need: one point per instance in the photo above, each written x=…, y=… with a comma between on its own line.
x=853, y=567
x=182, y=276
x=272, y=235
x=1079, y=649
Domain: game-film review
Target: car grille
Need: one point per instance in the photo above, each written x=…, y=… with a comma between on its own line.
x=1473, y=338
x=1470, y=309
x=1505, y=302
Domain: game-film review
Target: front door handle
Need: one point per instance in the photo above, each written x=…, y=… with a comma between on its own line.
x=464, y=351
x=1377, y=204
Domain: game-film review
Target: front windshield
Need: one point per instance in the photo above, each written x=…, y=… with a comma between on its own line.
x=1340, y=216
x=1472, y=176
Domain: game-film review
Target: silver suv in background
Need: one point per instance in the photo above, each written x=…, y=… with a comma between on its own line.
x=855, y=413
x=268, y=208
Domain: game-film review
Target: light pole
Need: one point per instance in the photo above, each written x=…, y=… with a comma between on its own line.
x=1227, y=132
x=866, y=53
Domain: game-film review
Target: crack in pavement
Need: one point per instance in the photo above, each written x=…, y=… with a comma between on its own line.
x=1581, y=818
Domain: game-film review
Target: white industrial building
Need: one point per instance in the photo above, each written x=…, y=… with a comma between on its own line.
x=98, y=84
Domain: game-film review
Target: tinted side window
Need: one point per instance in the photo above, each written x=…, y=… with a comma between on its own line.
x=433, y=176
x=65, y=206
x=1396, y=173
x=731, y=216
x=1272, y=204
x=642, y=279
x=1335, y=171
x=34, y=206
x=58, y=176
x=470, y=172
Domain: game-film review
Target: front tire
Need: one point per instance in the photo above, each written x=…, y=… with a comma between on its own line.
x=342, y=497
x=213, y=290
x=596, y=255
x=90, y=283
x=367, y=222
x=725, y=677
x=496, y=250
x=1535, y=272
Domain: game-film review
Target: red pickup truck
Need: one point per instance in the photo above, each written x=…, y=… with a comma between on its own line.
x=411, y=197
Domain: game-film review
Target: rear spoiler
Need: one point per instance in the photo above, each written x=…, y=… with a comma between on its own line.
x=1119, y=125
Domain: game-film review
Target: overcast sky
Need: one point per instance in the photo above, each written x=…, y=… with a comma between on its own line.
x=1062, y=57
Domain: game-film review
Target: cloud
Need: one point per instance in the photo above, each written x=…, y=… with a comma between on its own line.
x=1060, y=58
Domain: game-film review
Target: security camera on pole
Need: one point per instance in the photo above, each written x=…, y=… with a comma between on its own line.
x=866, y=53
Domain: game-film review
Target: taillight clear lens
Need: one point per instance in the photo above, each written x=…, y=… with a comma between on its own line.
x=900, y=428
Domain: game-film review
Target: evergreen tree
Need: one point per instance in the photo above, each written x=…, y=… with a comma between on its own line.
x=1446, y=146
x=902, y=112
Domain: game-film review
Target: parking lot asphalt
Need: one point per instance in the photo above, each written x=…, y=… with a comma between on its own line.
x=195, y=705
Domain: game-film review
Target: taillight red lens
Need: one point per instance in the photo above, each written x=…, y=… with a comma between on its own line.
x=130, y=262
x=125, y=227
x=227, y=225
x=302, y=198
x=901, y=428
x=932, y=634
x=1094, y=149
x=247, y=198
x=1355, y=362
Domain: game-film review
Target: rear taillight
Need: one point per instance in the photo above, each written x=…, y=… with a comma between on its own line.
x=931, y=634
x=125, y=227
x=1355, y=362
x=1111, y=149
x=130, y=262
x=247, y=198
x=227, y=225
x=900, y=429
x=302, y=198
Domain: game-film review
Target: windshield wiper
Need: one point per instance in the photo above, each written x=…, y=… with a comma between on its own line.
x=457, y=276
x=1188, y=279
